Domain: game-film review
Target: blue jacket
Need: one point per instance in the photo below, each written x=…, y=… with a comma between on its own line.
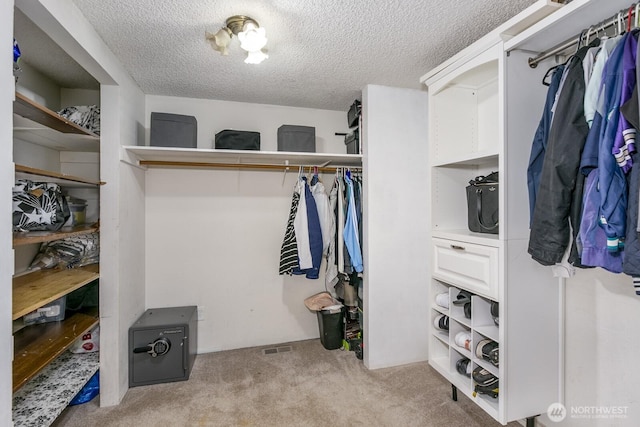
x=315, y=235
x=539, y=146
x=351, y=235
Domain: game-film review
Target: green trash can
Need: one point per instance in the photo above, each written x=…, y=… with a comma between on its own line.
x=331, y=324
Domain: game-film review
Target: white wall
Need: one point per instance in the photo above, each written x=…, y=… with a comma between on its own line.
x=38, y=87
x=69, y=96
x=396, y=226
x=213, y=236
x=7, y=90
x=213, y=116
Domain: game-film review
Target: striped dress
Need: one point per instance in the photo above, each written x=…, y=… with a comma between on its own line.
x=289, y=249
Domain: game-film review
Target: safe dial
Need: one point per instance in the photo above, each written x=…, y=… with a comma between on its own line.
x=157, y=348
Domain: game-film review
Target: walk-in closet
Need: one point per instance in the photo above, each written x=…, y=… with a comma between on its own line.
x=526, y=314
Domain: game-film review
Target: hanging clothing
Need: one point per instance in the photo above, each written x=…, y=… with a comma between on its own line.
x=289, y=248
x=340, y=239
x=301, y=226
x=625, y=138
x=315, y=235
x=560, y=187
x=631, y=263
x=592, y=237
x=592, y=91
x=351, y=232
x=539, y=146
x=612, y=185
x=324, y=211
x=331, y=272
x=595, y=250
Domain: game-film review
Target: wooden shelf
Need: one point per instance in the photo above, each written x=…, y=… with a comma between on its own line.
x=43, y=399
x=186, y=157
x=39, y=288
x=39, y=125
x=28, y=237
x=35, y=346
x=31, y=110
x=34, y=174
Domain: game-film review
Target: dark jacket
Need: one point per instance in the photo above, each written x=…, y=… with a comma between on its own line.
x=558, y=191
x=539, y=146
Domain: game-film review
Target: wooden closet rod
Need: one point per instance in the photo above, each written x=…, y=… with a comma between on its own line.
x=623, y=15
x=260, y=166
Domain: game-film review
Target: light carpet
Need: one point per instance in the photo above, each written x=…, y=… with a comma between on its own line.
x=307, y=386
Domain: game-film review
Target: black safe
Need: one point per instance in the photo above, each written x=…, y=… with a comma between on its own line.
x=162, y=345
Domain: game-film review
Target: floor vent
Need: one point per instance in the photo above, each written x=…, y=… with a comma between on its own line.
x=274, y=350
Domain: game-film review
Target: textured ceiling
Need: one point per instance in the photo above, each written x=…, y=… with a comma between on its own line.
x=321, y=53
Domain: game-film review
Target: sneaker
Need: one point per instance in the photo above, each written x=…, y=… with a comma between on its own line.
x=443, y=300
x=488, y=350
x=441, y=322
x=463, y=339
x=463, y=366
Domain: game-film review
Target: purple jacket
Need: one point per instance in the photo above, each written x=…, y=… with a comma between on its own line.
x=625, y=138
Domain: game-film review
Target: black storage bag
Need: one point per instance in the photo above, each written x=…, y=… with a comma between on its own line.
x=482, y=204
x=237, y=140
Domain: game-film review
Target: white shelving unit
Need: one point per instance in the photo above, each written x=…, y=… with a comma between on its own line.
x=474, y=98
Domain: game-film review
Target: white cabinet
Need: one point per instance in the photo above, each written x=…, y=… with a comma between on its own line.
x=470, y=266
x=470, y=112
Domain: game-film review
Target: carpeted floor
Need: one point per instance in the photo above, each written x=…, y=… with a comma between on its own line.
x=308, y=386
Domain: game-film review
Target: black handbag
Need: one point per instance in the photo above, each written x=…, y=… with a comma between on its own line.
x=482, y=204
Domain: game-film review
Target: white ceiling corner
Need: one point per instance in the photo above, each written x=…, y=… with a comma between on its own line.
x=321, y=53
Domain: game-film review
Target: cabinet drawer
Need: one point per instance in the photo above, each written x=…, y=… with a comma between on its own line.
x=467, y=265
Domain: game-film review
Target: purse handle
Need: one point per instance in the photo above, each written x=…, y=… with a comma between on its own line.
x=479, y=211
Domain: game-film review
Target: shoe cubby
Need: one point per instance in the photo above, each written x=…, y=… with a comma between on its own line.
x=441, y=299
x=460, y=379
x=482, y=320
x=441, y=334
x=439, y=358
x=457, y=311
x=476, y=339
x=460, y=337
x=490, y=403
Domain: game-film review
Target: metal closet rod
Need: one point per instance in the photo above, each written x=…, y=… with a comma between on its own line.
x=260, y=166
x=603, y=25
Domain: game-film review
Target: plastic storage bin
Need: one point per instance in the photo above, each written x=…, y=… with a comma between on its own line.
x=331, y=326
x=78, y=208
x=51, y=312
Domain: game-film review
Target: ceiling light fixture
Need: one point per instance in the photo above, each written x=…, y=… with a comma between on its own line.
x=252, y=38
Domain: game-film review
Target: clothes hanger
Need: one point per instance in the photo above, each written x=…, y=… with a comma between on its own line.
x=620, y=24
x=550, y=72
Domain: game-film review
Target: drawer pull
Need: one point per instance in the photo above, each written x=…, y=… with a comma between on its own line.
x=457, y=248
